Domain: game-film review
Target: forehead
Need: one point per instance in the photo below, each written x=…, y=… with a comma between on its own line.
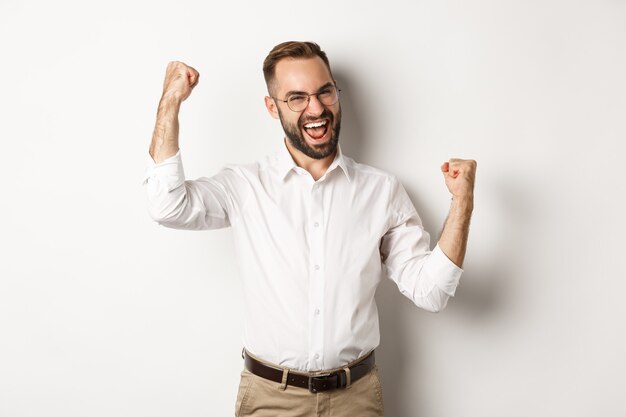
x=297, y=74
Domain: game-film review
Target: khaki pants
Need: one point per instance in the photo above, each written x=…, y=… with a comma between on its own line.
x=260, y=397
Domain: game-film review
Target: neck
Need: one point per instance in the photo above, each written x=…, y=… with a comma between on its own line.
x=316, y=167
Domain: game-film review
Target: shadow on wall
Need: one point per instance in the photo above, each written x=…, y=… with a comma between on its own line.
x=482, y=294
x=487, y=290
x=399, y=318
x=353, y=138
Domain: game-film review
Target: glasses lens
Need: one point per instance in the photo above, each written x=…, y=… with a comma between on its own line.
x=328, y=97
x=298, y=103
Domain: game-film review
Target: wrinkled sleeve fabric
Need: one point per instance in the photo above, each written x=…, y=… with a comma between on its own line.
x=204, y=203
x=428, y=278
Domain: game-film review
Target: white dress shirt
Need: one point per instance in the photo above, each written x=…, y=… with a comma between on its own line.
x=311, y=253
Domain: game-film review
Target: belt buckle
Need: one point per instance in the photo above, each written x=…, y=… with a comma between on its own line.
x=312, y=389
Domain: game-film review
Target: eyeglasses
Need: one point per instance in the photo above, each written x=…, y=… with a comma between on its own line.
x=298, y=102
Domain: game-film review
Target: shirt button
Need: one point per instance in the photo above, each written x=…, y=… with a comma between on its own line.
x=317, y=267
x=317, y=356
x=316, y=224
x=317, y=311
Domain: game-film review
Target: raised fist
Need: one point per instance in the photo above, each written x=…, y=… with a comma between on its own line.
x=459, y=175
x=180, y=79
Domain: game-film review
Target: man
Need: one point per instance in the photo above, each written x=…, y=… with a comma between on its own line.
x=314, y=231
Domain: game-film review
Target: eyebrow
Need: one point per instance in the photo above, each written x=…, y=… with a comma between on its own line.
x=328, y=84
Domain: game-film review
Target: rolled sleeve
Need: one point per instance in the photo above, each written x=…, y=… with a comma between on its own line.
x=178, y=203
x=447, y=272
x=167, y=174
x=428, y=278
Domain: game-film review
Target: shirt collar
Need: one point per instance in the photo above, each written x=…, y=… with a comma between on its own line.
x=285, y=163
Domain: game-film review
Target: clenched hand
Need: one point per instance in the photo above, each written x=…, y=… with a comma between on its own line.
x=180, y=79
x=459, y=175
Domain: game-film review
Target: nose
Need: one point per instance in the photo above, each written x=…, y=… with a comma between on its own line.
x=315, y=107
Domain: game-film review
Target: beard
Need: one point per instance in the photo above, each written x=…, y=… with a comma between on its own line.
x=295, y=135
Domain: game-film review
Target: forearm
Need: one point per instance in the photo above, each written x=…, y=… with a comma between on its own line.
x=165, y=136
x=453, y=240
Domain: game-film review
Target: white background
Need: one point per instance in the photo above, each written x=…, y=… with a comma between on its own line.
x=105, y=313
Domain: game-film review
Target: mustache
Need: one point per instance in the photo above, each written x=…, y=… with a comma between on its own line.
x=325, y=115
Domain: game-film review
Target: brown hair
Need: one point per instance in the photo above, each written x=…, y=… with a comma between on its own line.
x=290, y=49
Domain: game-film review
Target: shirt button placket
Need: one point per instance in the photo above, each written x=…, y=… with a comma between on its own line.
x=317, y=281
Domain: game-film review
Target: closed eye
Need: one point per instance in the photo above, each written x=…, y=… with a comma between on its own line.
x=296, y=99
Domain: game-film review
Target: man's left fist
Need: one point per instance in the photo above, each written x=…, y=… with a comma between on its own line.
x=459, y=175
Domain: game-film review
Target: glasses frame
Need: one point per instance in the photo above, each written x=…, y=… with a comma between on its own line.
x=308, y=99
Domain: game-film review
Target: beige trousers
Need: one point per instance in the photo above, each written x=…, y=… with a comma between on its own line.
x=260, y=397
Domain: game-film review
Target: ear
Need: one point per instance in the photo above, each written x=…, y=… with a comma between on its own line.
x=270, y=104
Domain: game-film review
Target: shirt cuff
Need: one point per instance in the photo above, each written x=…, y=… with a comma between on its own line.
x=168, y=172
x=447, y=272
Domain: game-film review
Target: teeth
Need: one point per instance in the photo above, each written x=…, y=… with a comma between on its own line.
x=317, y=124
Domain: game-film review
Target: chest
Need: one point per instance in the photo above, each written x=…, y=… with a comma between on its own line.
x=335, y=211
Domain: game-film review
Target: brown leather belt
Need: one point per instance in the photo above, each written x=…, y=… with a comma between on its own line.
x=317, y=383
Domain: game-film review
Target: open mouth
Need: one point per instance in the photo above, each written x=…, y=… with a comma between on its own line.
x=316, y=130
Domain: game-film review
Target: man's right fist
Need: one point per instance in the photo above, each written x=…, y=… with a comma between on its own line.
x=180, y=79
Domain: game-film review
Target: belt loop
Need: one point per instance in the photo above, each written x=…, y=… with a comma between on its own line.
x=283, y=385
x=347, y=370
